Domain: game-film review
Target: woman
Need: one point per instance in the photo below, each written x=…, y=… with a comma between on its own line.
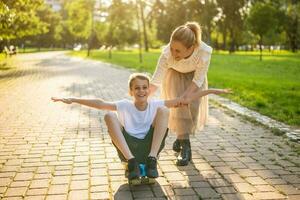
x=181, y=70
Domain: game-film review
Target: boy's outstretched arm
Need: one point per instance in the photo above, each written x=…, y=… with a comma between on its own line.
x=94, y=103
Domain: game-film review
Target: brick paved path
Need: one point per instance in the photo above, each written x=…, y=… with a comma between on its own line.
x=56, y=151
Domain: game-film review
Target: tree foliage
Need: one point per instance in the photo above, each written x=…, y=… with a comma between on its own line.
x=230, y=22
x=19, y=19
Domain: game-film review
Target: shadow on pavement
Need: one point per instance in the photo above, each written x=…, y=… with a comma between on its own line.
x=127, y=192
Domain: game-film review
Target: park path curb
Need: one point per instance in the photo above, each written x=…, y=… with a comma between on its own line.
x=292, y=133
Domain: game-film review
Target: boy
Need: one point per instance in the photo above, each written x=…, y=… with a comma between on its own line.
x=137, y=122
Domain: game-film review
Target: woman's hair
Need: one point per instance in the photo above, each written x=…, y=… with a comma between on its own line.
x=140, y=76
x=188, y=34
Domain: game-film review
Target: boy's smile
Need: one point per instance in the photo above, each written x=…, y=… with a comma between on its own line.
x=140, y=92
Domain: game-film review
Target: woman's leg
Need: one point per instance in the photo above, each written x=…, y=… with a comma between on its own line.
x=160, y=127
x=182, y=136
x=115, y=132
x=184, y=144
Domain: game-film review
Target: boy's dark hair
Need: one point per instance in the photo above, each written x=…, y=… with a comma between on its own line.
x=140, y=76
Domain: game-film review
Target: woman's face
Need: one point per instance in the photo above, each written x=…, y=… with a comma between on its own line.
x=179, y=51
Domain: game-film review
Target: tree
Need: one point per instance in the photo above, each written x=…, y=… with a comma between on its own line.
x=141, y=4
x=78, y=19
x=204, y=12
x=122, y=28
x=19, y=19
x=292, y=24
x=52, y=35
x=262, y=21
x=232, y=16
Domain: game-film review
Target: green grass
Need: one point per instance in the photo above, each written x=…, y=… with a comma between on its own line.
x=35, y=50
x=271, y=86
x=129, y=59
x=6, y=63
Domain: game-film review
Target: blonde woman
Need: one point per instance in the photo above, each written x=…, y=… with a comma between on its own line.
x=181, y=70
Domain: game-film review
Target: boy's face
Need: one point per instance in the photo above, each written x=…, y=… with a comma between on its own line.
x=139, y=90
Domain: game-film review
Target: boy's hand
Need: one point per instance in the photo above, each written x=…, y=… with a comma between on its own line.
x=64, y=100
x=222, y=91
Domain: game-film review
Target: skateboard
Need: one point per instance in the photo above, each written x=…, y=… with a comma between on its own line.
x=143, y=179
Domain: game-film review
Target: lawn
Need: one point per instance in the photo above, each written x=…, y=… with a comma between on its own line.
x=6, y=63
x=271, y=86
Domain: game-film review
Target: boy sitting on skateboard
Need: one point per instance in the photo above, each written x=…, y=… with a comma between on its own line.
x=138, y=128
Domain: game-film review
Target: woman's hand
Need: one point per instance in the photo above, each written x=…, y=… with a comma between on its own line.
x=64, y=100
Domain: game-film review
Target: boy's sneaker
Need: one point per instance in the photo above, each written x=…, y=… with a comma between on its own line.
x=151, y=166
x=133, y=169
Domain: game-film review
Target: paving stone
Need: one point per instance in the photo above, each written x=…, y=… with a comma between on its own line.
x=218, y=182
x=43, y=183
x=207, y=193
x=184, y=191
x=244, y=187
x=294, y=197
x=265, y=188
x=142, y=194
x=234, y=178
x=226, y=190
x=288, y=189
x=11, y=192
x=246, y=172
x=238, y=196
x=266, y=174
x=58, y=189
x=60, y=180
x=23, y=176
x=78, y=195
x=101, y=195
x=40, y=197
x=256, y=180
x=120, y=195
x=39, y=191
x=268, y=195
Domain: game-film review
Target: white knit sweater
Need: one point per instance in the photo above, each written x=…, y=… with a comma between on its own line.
x=198, y=62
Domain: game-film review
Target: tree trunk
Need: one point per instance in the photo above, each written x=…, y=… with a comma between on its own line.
x=144, y=26
x=293, y=36
x=232, y=43
x=139, y=33
x=209, y=35
x=217, y=41
x=260, y=47
x=109, y=52
x=224, y=34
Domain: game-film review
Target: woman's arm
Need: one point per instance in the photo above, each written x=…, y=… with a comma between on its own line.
x=188, y=99
x=152, y=88
x=94, y=103
x=201, y=93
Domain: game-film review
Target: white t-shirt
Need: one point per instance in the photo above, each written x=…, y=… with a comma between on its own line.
x=135, y=122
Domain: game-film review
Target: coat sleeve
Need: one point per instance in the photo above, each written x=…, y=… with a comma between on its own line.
x=161, y=68
x=202, y=67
